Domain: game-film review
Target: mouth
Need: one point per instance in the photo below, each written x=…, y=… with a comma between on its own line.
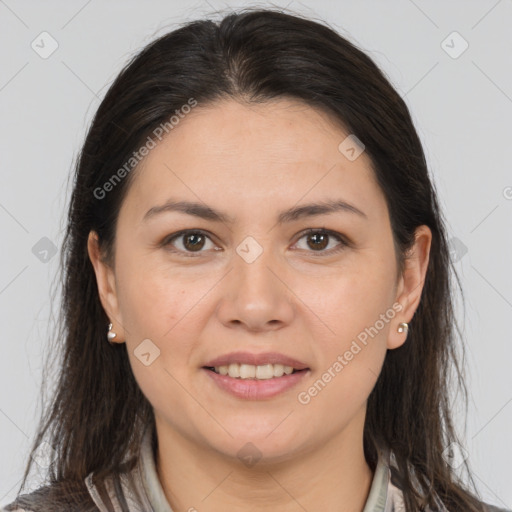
x=261, y=382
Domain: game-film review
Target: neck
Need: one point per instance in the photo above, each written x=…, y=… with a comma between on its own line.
x=332, y=476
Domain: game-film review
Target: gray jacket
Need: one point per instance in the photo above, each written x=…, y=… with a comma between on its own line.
x=141, y=491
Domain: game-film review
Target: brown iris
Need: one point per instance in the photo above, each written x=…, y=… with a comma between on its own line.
x=316, y=237
x=193, y=241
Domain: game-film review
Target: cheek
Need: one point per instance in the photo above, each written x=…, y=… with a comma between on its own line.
x=355, y=313
x=151, y=300
x=157, y=308
x=350, y=347
x=165, y=307
x=352, y=301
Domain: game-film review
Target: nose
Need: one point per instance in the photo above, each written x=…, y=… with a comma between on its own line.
x=257, y=297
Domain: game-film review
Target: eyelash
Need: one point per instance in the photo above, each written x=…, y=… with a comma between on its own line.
x=343, y=241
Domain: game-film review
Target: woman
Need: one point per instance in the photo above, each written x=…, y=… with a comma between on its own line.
x=253, y=219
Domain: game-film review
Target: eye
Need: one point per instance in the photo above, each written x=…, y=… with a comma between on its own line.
x=319, y=239
x=191, y=241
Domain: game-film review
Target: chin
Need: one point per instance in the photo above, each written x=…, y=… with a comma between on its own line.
x=257, y=445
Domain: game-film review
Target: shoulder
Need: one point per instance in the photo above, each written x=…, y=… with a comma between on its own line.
x=56, y=497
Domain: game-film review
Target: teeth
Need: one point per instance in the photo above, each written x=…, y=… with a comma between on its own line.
x=249, y=371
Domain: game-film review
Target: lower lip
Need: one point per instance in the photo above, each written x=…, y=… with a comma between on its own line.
x=254, y=389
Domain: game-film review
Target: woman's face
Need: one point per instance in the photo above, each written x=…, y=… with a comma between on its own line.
x=256, y=281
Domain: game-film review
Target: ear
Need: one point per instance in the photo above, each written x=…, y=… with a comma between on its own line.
x=105, y=278
x=410, y=284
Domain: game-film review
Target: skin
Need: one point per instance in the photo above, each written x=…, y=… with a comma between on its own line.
x=296, y=298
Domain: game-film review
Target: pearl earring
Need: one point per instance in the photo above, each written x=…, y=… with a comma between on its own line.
x=110, y=335
x=403, y=327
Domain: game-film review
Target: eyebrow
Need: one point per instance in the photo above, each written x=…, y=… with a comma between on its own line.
x=298, y=212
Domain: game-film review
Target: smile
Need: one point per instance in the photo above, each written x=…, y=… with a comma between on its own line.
x=253, y=387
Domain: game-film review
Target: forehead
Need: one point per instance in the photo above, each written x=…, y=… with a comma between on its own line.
x=252, y=156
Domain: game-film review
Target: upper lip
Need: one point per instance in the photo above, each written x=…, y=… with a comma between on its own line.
x=256, y=360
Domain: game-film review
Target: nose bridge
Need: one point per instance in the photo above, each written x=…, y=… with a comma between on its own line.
x=256, y=298
x=254, y=259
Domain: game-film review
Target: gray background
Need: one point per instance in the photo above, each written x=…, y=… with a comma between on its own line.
x=461, y=105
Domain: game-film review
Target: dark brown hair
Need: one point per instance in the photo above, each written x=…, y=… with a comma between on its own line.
x=97, y=412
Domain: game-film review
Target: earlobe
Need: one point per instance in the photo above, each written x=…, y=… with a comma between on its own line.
x=411, y=286
x=105, y=279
